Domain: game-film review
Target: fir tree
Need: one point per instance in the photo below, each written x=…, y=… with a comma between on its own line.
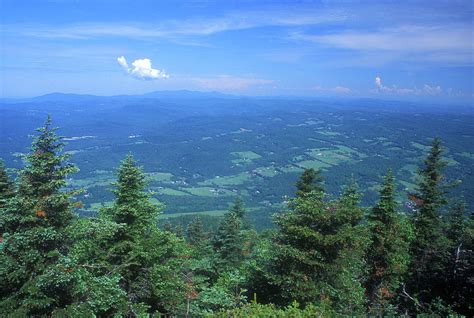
x=460, y=269
x=35, y=239
x=310, y=180
x=430, y=247
x=195, y=232
x=132, y=204
x=7, y=187
x=145, y=257
x=228, y=241
x=238, y=208
x=388, y=254
x=320, y=252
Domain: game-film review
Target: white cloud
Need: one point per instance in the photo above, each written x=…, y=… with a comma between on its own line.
x=378, y=82
x=426, y=90
x=432, y=90
x=337, y=90
x=141, y=69
x=122, y=61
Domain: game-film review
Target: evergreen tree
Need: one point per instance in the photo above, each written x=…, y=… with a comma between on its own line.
x=238, y=208
x=320, y=252
x=195, y=232
x=229, y=240
x=430, y=247
x=132, y=205
x=388, y=253
x=7, y=187
x=34, y=225
x=460, y=269
x=145, y=257
x=310, y=180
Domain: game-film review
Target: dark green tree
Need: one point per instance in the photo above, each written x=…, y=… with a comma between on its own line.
x=195, y=233
x=7, y=187
x=238, y=208
x=310, y=180
x=145, y=257
x=320, y=252
x=229, y=241
x=388, y=253
x=460, y=269
x=430, y=247
x=35, y=239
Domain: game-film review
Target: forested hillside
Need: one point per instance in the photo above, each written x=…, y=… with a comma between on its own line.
x=328, y=254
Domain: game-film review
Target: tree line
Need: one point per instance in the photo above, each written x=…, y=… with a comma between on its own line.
x=327, y=255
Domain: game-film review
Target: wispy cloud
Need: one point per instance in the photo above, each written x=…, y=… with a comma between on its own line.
x=403, y=38
x=333, y=90
x=446, y=43
x=425, y=90
x=188, y=27
x=141, y=69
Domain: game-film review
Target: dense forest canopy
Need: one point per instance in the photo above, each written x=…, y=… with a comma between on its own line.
x=328, y=254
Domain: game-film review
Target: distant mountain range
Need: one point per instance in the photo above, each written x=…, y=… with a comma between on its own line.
x=66, y=97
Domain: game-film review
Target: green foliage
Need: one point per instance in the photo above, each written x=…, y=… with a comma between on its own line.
x=195, y=233
x=145, y=257
x=460, y=268
x=430, y=247
x=7, y=187
x=388, y=254
x=33, y=226
x=320, y=252
x=229, y=240
x=256, y=310
x=322, y=255
x=238, y=208
x=310, y=180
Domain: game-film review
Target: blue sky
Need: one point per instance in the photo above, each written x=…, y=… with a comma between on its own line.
x=390, y=49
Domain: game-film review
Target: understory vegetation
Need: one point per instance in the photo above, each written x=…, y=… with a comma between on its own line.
x=328, y=255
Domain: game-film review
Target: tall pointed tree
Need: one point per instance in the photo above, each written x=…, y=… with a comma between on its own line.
x=7, y=191
x=7, y=187
x=388, y=254
x=430, y=247
x=132, y=205
x=34, y=225
x=320, y=251
x=195, y=233
x=460, y=269
x=229, y=239
x=238, y=208
x=310, y=180
x=145, y=257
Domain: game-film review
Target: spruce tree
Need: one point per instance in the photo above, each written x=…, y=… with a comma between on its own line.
x=310, y=180
x=320, y=251
x=34, y=223
x=195, y=233
x=145, y=257
x=238, y=208
x=228, y=241
x=388, y=253
x=7, y=191
x=7, y=187
x=460, y=269
x=430, y=247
